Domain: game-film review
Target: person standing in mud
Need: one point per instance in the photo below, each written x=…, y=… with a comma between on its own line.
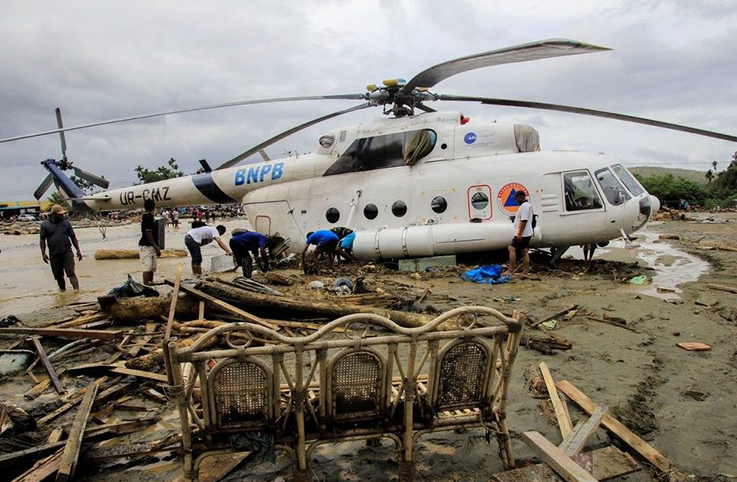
x=57, y=233
x=148, y=248
x=522, y=235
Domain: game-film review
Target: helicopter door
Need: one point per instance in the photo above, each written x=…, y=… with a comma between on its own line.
x=584, y=218
x=479, y=202
x=616, y=196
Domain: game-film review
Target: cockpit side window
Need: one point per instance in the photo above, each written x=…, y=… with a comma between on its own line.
x=580, y=192
x=629, y=181
x=382, y=152
x=613, y=190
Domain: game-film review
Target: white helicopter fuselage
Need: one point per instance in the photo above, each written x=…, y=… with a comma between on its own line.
x=456, y=195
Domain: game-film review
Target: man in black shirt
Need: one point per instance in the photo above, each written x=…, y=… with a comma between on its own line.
x=58, y=234
x=149, y=250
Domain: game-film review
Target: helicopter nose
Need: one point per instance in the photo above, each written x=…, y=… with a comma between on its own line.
x=655, y=202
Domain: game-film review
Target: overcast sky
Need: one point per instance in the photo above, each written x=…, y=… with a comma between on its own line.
x=671, y=60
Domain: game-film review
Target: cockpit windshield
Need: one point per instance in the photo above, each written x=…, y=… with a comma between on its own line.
x=613, y=190
x=629, y=181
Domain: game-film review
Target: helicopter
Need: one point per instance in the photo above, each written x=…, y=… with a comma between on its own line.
x=417, y=182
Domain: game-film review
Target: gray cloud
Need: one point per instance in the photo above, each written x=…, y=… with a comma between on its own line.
x=672, y=61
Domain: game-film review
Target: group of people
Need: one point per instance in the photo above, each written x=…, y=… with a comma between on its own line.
x=58, y=236
x=328, y=243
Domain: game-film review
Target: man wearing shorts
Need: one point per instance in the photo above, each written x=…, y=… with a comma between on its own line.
x=325, y=242
x=522, y=235
x=243, y=245
x=57, y=233
x=148, y=248
x=198, y=237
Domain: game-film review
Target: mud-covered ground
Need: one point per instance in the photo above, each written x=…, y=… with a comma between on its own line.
x=683, y=403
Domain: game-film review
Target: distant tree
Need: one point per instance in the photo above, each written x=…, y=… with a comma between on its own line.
x=709, y=176
x=714, y=166
x=85, y=186
x=168, y=171
x=671, y=189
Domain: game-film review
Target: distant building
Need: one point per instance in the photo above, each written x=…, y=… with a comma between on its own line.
x=8, y=209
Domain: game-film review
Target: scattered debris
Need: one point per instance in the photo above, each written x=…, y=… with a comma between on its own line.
x=693, y=346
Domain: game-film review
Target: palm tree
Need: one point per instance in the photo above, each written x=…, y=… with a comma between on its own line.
x=709, y=176
x=57, y=198
x=714, y=165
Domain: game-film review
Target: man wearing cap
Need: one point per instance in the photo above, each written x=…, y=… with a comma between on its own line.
x=57, y=233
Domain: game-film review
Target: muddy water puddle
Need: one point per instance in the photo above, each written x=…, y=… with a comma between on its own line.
x=26, y=283
x=672, y=266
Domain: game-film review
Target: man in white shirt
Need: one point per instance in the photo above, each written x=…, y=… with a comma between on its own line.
x=198, y=237
x=522, y=235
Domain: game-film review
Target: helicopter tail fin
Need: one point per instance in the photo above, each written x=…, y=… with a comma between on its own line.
x=66, y=187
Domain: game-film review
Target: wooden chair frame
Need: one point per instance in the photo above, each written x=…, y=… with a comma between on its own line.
x=300, y=414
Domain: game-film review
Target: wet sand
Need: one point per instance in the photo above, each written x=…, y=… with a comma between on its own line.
x=645, y=380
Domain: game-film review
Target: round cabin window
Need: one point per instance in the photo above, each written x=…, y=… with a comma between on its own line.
x=479, y=201
x=439, y=204
x=371, y=211
x=332, y=215
x=399, y=209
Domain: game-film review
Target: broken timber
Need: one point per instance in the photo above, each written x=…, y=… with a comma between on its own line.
x=301, y=308
x=729, y=289
x=556, y=459
x=71, y=451
x=606, y=463
x=223, y=305
x=561, y=411
x=616, y=427
x=53, y=378
x=64, y=333
x=555, y=315
x=575, y=441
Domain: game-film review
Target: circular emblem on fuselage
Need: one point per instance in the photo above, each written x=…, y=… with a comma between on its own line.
x=469, y=138
x=506, y=200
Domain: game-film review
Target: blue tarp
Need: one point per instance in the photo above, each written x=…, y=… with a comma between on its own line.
x=488, y=275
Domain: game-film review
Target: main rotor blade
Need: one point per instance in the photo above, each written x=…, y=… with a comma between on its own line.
x=195, y=109
x=61, y=133
x=287, y=133
x=590, y=112
x=542, y=49
x=43, y=187
x=425, y=108
x=93, y=178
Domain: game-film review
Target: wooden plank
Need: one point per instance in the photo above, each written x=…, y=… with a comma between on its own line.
x=606, y=463
x=729, y=289
x=41, y=469
x=39, y=388
x=693, y=346
x=74, y=443
x=119, y=428
x=573, y=444
x=561, y=411
x=157, y=377
x=223, y=305
x=173, y=305
x=556, y=459
x=616, y=427
x=63, y=333
x=53, y=378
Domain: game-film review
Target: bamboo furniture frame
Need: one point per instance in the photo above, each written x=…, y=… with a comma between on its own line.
x=269, y=390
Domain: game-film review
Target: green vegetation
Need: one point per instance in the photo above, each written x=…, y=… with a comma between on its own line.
x=715, y=188
x=168, y=171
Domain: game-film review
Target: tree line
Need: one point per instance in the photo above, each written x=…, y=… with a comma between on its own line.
x=720, y=189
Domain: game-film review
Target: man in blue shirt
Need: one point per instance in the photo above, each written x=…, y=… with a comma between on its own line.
x=325, y=242
x=243, y=245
